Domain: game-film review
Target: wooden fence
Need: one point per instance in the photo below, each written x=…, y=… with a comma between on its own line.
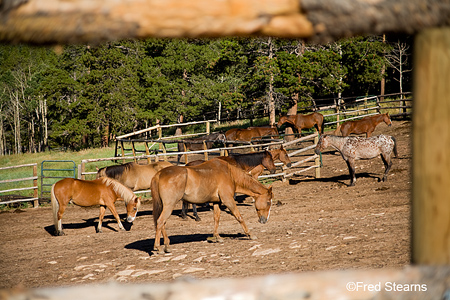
x=34, y=186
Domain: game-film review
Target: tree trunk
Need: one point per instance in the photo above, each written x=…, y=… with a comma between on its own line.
x=271, y=100
x=383, y=80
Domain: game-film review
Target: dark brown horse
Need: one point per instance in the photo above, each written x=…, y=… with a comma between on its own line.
x=277, y=154
x=365, y=125
x=199, y=143
x=303, y=121
x=104, y=192
x=213, y=181
x=353, y=148
x=251, y=133
x=134, y=176
x=252, y=160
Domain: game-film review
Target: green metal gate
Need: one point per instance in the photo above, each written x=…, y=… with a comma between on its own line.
x=53, y=171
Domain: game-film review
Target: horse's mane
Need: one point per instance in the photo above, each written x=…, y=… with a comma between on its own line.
x=124, y=192
x=116, y=170
x=250, y=159
x=244, y=179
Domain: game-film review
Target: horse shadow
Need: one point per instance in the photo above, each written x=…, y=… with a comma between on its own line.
x=93, y=222
x=340, y=179
x=147, y=244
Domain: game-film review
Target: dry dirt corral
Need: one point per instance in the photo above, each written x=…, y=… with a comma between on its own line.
x=321, y=224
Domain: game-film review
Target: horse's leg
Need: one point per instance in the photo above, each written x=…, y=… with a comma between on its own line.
x=216, y=237
x=387, y=165
x=351, y=168
x=160, y=227
x=59, y=228
x=194, y=210
x=100, y=218
x=231, y=205
x=113, y=210
x=184, y=208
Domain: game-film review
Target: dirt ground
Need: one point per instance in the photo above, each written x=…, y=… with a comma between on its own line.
x=318, y=224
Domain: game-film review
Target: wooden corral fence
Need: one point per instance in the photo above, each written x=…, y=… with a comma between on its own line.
x=33, y=186
x=126, y=138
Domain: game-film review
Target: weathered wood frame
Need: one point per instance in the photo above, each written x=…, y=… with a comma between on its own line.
x=89, y=21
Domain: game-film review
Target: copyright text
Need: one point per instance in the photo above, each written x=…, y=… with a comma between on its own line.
x=359, y=286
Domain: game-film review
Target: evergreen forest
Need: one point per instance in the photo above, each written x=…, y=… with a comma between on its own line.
x=82, y=96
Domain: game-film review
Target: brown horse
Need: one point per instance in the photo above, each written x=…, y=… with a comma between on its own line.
x=197, y=143
x=354, y=148
x=134, y=176
x=104, y=192
x=250, y=133
x=303, y=121
x=277, y=154
x=365, y=125
x=250, y=161
x=213, y=181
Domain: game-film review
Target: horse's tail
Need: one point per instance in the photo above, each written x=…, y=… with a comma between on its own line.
x=395, y=146
x=55, y=206
x=157, y=201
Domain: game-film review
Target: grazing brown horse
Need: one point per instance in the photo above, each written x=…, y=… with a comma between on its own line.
x=104, y=192
x=303, y=121
x=134, y=176
x=354, y=148
x=365, y=125
x=197, y=143
x=253, y=163
x=248, y=134
x=213, y=181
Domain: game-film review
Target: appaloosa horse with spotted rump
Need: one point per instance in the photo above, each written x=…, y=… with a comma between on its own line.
x=354, y=148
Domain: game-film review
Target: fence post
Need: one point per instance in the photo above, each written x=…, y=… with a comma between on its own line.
x=147, y=151
x=317, y=160
x=35, y=184
x=431, y=179
x=81, y=170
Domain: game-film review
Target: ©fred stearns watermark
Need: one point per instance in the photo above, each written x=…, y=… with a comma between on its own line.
x=359, y=286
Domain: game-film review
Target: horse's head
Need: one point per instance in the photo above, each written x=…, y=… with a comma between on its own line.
x=221, y=138
x=281, y=121
x=321, y=144
x=268, y=162
x=263, y=202
x=387, y=119
x=100, y=173
x=284, y=157
x=132, y=209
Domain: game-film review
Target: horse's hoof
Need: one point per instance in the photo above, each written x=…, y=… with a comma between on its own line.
x=59, y=233
x=215, y=239
x=197, y=219
x=167, y=249
x=252, y=237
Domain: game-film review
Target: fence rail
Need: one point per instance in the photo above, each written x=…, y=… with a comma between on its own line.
x=34, y=187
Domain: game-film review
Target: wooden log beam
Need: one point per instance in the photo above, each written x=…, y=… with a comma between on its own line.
x=431, y=148
x=96, y=21
x=408, y=283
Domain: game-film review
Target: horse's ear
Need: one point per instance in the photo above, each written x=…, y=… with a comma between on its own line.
x=281, y=148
